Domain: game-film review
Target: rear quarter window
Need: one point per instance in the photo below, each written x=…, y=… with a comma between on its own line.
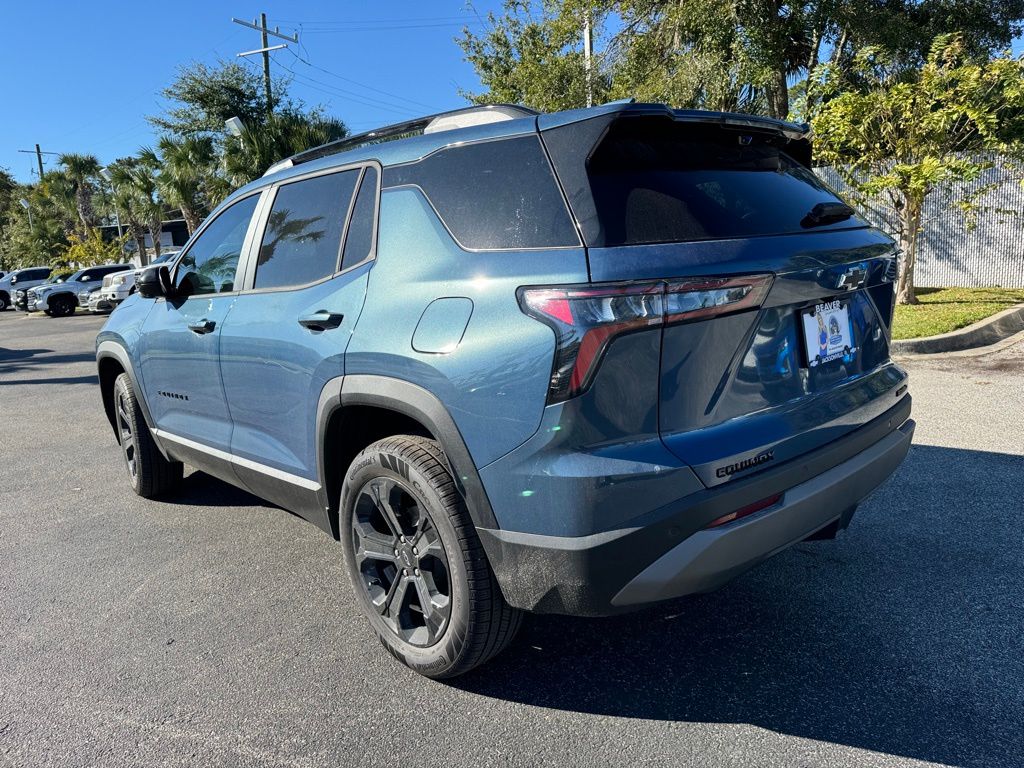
x=493, y=195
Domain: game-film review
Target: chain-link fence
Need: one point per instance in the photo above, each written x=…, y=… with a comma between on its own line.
x=952, y=254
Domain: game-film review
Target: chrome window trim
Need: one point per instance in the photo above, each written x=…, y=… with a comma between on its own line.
x=249, y=277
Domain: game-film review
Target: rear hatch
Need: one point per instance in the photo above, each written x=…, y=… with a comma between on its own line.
x=775, y=299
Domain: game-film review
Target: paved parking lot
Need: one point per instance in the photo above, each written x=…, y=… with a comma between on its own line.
x=213, y=629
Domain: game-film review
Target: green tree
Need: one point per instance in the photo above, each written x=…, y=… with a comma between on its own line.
x=37, y=240
x=81, y=172
x=744, y=55
x=135, y=183
x=247, y=157
x=186, y=171
x=91, y=250
x=533, y=54
x=899, y=136
x=205, y=96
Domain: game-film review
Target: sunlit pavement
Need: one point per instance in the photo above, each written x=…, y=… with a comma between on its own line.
x=212, y=629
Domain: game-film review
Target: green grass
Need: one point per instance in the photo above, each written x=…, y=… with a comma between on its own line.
x=946, y=309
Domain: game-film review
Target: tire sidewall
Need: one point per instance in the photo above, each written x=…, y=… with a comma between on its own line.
x=123, y=389
x=435, y=659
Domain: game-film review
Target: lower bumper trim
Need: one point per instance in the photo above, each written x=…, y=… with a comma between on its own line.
x=619, y=570
x=710, y=558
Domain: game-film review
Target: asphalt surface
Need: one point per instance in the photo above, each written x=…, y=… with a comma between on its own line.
x=214, y=629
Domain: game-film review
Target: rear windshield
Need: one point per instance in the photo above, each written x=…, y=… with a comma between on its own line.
x=656, y=180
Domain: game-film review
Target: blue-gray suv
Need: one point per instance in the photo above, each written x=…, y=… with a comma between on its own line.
x=570, y=363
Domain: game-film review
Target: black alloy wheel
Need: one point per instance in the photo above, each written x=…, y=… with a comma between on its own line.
x=401, y=561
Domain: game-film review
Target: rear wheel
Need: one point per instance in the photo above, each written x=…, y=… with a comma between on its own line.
x=5, y=301
x=62, y=306
x=148, y=471
x=419, y=570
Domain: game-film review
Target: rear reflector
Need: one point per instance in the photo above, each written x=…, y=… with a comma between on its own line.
x=746, y=511
x=585, y=318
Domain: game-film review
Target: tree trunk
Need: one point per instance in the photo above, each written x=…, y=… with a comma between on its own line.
x=910, y=225
x=140, y=241
x=777, y=94
x=155, y=228
x=191, y=219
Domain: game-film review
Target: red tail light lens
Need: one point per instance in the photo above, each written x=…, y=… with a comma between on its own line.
x=746, y=511
x=586, y=318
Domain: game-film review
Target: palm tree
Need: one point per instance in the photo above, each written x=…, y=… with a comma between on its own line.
x=81, y=171
x=143, y=177
x=186, y=167
x=134, y=191
x=284, y=134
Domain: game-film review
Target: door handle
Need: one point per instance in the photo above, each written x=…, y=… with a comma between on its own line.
x=322, y=320
x=202, y=326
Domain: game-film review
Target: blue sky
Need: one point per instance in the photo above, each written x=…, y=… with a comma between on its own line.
x=81, y=77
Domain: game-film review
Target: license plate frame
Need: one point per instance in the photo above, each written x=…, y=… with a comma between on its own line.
x=827, y=332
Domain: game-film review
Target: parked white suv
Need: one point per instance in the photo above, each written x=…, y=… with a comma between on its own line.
x=118, y=286
x=59, y=299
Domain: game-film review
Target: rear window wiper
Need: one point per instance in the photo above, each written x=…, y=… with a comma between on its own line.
x=826, y=213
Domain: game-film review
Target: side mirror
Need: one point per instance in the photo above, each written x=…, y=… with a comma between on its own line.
x=85, y=278
x=153, y=282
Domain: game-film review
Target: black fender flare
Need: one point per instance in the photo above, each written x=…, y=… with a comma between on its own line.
x=417, y=403
x=112, y=350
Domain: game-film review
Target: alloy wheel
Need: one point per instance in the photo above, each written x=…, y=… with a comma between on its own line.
x=401, y=561
x=127, y=437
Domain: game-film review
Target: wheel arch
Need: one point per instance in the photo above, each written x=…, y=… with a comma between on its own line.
x=111, y=361
x=359, y=409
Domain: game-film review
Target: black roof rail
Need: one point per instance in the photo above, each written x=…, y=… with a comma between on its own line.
x=397, y=131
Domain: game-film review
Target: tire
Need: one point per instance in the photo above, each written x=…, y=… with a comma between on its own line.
x=61, y=306
x=439, y=560
x=5, y=301
x=149, y=472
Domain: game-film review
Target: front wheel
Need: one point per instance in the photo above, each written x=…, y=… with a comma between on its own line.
x=148, y=471
x=62, y=306
x=417, y=565
x=5, y=301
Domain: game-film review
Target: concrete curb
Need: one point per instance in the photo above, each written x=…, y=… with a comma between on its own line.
x=984, y=332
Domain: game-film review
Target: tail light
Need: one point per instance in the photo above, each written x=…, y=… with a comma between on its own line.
x=585, y=318
x=746, y=511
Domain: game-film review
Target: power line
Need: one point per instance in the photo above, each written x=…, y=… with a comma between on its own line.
x=334, y=31
x=333, y=90
x=340, y=22
x=359, y=84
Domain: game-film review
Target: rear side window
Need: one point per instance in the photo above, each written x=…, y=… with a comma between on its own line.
x=493, y=195
x=302, y=242
x=359, y=241
x=655, y=180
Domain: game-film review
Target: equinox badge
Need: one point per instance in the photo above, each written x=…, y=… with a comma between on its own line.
x=739, y=466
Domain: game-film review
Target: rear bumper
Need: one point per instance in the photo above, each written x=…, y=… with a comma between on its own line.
x=677, y=554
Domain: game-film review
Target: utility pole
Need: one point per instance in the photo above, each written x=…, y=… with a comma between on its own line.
x=266, y=64
x=39, y=157
x=265, y=50
x=588, y=51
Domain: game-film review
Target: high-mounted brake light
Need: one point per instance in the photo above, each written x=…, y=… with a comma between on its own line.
x=586, y=318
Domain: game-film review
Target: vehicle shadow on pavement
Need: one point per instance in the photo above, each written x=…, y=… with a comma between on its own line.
x=904, y=636
x=90, y=379
x=12, y=361
x=200, y=489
